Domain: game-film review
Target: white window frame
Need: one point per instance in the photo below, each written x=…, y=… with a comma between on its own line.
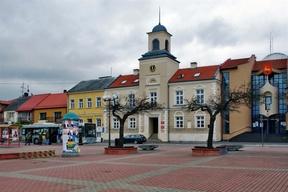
x=98, y=121
x=72, y=103
x=132, y=123
x=80, y=103
x=178, y=120
x=179, y=98
x=98, y=101
x=200, y=95
x=115, y=123
x=131, y=100
x=89, y=103
x=201, y=121
x=153, y=96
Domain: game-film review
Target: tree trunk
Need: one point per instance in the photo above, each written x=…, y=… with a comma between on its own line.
x=210, y=133
x=121, y=134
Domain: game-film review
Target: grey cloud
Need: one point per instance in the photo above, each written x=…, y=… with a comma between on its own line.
x=74, y=40
x=217, y=33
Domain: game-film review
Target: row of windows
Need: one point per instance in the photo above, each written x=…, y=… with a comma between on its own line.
x=199, y=121
x=179, y=99
x=89, y=103
x=179, y=96
x=179, y=122
x=131, y=123
x=98, y=122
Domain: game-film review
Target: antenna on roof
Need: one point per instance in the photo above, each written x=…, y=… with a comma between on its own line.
x=22, y=88
x=159, y=15
x=271, y=43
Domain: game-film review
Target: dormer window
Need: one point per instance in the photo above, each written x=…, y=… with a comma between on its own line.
x=180, y=76
x=196, y=74
x=155, y=44
x=136, y=81
x=124, y=81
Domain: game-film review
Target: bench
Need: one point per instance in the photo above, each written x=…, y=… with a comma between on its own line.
x=148, y=147
x=232, y=147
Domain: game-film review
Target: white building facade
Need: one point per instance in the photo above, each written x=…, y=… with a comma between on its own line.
x=160, y=80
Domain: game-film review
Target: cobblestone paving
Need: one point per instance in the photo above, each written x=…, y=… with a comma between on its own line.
x=170, y=168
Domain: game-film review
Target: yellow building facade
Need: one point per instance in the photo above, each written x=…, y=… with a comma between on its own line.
x=86, y=100
x=50, y=115
x=51, y=109
x=88, y=105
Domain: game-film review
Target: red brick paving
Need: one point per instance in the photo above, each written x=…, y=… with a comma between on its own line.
x=251, y=162
x=8, y=184
x=232, y=172
x=93, y=171
x=118, y=190
x=157, y=159
x=24, y=164
x=212, y=180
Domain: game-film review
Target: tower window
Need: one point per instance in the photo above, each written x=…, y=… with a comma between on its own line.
x=167, y=45
x=155, y=44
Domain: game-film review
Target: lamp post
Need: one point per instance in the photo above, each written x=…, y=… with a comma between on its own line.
x=108, y=99
x=262, y=125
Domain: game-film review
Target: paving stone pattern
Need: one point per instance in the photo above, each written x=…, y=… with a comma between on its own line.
x=170, y=168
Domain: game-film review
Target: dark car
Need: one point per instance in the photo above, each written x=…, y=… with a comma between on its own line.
x=135, y=138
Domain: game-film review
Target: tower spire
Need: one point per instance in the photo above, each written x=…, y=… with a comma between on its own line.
x=159, y=15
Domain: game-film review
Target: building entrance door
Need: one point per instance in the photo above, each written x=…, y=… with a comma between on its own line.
x=270, y=126
x=154, y=125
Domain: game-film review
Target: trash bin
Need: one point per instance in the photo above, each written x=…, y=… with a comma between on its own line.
x=117, y=142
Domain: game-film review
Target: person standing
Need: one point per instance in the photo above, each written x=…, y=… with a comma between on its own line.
x=28, y=138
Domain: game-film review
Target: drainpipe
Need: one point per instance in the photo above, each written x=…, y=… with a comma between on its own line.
x=167, y=123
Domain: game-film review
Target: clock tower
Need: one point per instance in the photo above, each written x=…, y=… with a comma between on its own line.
x=156, y=67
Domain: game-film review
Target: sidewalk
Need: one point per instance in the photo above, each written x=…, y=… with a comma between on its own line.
x=170, y=168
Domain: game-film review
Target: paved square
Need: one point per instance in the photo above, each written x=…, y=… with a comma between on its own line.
x=171, y=168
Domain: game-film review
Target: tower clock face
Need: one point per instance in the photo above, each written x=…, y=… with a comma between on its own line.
x=152, y=68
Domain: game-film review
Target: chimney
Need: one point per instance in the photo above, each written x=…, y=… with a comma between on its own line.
x=193, y=65
x=135, y=71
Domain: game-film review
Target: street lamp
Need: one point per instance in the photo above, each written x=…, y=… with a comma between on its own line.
x=108, y=99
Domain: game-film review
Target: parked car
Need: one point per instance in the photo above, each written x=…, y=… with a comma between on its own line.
x=135, y=138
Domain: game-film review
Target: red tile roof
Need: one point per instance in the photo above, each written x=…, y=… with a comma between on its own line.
x=194, y=74
x=275, y=64
x=57, y=100
x=125, y=81
x=32, y=102
x=6, y=102
x=233, y=63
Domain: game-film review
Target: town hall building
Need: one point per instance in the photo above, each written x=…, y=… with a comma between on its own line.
x=160, y=79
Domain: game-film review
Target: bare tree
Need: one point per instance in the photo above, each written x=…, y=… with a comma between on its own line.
x=122, y=110
x=217, y=104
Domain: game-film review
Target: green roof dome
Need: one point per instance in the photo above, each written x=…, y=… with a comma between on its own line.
x=71, y=116
x=159, y=28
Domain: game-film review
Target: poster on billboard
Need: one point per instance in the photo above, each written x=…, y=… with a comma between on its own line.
x=70, y=138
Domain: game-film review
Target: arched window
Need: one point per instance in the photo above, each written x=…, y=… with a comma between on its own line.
x=155, y=43
x=167, y=45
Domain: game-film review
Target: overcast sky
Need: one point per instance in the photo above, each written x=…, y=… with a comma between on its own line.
x=51, y=45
